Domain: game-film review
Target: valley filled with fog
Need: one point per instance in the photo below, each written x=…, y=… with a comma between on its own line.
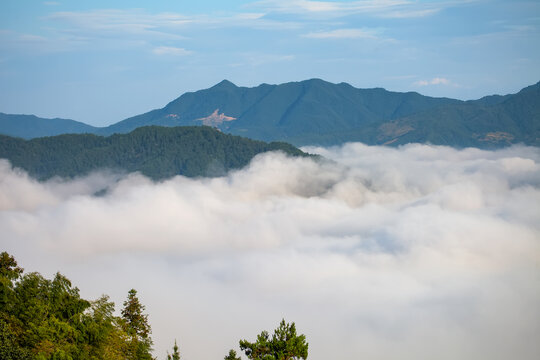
x=375, y=252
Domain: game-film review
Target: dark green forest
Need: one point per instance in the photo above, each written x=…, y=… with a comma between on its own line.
x=157, y=152
x=42, y=319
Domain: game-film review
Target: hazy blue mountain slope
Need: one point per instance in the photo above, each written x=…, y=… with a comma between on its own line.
x=284, y=111
x=157, y=152
x=321, y=110
x=524, y=109
x=190, y=107
x=316, y=112
x=513, y=119
x=30, y=126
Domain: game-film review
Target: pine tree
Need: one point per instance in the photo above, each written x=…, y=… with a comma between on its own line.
x=175, y=355
x=137, y=327
x=283, y=345
x=232, y=356
x=136, y=321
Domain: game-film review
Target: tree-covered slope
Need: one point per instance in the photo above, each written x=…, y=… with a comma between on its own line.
x=485, y=123
x=157, y=152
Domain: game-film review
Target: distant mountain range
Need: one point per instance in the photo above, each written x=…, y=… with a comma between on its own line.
x=157, y=152
x=30, y=126
x=316, y=112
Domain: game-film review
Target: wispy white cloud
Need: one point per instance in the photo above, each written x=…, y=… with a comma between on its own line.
x=310, y=6
x=32, y=43
x=110, y=28
x=408, y=13
x=170, y=50
x=161, y=33
x=343, y=34
x=382, y=8
x=161, y=24
x=121, y=22
x=434, y=81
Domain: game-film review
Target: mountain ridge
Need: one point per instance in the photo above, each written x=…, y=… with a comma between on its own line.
x=317, y=112
x=30, y=126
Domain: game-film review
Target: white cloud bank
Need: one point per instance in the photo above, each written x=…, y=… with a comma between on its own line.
x=412, y=253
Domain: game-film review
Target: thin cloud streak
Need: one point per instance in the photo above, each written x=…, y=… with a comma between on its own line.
x=303, y=6
x=378, y=253
x=382, y=9
x=128, y=28
x=343, y=34
x=173, y=26
x=119, y=23
x=434, y=81
x=170, y=50
x=169, y=24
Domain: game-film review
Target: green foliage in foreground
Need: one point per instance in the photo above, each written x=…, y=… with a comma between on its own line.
x=232, y=356
x=176, y=354
x=284, y=344
x=43, y=319
x=157, y=152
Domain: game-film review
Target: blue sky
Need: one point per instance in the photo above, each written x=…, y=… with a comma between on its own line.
x=102, y=61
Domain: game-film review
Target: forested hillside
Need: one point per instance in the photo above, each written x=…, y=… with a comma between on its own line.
x=156, y=152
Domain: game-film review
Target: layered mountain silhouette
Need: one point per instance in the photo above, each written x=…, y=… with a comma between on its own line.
x=321, y=113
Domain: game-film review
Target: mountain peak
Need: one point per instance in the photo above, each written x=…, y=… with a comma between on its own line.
x=316, y=80
x=224, y=84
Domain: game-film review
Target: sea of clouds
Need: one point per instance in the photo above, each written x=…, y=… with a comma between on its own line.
x=417, y=252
